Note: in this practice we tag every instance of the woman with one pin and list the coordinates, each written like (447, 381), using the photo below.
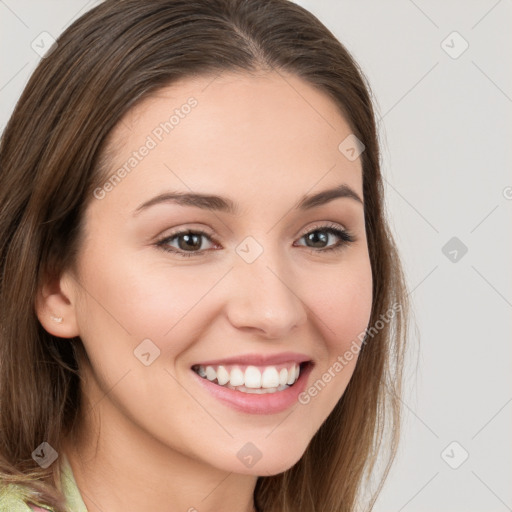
(202, 305)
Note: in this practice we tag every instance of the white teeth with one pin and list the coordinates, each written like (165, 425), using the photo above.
(256, 391)
(260, 391)
(270, 378)
(252, 377)
(211, 374)
(222, 375)
(237, 377)
(253, 380)
(291, 375)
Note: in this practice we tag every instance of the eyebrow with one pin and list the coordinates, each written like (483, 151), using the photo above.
(224, 204)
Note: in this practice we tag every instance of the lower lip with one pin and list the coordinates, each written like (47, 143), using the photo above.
(268, 403)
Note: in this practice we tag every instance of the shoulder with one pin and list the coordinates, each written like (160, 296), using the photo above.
(13, 499)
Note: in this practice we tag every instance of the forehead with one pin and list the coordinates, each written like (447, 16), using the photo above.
(235, 132)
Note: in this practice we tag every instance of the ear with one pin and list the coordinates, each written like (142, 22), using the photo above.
(56, 304)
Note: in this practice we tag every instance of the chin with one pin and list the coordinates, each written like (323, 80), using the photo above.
(271, 463)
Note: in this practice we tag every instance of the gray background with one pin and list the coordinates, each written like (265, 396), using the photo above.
(446, 141)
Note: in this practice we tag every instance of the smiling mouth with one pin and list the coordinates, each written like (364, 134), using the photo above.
(253, 379)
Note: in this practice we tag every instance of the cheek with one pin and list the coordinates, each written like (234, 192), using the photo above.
(123, 307)
(342, 300)
(131, 299)
(170, 305)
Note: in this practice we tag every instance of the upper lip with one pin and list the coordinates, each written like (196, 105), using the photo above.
(259, 359)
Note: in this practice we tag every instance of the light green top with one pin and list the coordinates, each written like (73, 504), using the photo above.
(12, 496)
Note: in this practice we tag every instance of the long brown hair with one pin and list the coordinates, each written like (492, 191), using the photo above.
(52, 156)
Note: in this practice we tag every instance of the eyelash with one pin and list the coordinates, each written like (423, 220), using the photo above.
(345, 236)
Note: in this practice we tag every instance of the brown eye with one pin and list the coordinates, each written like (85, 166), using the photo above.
(319, 241)
(189, 242)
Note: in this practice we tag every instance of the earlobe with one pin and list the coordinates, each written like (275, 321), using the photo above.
(56, 307)
(57, 319)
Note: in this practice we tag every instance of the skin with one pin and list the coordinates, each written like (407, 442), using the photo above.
(165, 443)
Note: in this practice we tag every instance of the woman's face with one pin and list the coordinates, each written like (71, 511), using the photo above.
(258, 293)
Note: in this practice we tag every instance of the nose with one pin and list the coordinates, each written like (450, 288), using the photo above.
(266, 298)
